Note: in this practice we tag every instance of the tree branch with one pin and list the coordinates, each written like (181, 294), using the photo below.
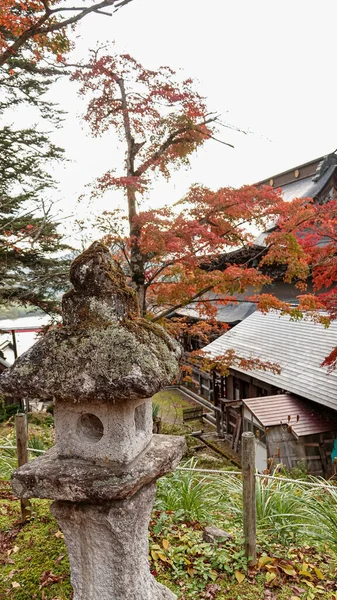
(170, 140)
(39, 29)
(169, 311)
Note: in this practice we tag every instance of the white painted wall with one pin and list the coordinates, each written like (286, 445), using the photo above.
(260, 448)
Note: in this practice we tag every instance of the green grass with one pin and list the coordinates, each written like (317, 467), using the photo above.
(171, 405)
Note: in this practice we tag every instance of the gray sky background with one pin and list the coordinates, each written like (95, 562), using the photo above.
(268, 67)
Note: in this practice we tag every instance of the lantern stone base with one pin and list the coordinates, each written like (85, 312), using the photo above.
(108, 548)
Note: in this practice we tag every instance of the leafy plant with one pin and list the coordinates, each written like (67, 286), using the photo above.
(194, 561)
(36, 443)
(7, 411)
(319, 513)
(8, 460)
(155, 410)
(39, 418)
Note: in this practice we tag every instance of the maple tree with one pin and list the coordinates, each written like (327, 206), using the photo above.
(162, 120)
(40, 26)
(305, 243)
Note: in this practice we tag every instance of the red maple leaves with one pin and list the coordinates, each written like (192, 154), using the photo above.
(161, 119)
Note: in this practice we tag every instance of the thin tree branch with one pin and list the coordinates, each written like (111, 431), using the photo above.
(170, 140)
(170, 311)
(39, 29)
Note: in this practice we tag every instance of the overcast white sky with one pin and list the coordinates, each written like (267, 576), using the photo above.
(268, 67)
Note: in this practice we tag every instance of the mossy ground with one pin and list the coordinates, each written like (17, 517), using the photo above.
(34, 563)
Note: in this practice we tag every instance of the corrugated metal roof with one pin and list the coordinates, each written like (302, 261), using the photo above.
(276, 410)
(299, 347)
(226, 313)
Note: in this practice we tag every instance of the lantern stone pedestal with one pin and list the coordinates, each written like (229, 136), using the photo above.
(104, 516)
(108, 548)
(101, 369)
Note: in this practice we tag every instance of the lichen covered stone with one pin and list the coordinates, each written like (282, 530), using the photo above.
(103, 351)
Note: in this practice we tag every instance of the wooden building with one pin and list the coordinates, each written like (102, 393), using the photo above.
(292, 431)
(306, 389)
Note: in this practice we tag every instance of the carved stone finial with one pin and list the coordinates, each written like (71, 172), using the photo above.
(100, 289)
(104, 350)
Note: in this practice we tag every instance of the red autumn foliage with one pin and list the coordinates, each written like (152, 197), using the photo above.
(178, 243)
(162, 121)
(40, 25)
(306, 242)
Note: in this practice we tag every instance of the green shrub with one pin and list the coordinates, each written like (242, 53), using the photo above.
(7, 411)
(39, 418)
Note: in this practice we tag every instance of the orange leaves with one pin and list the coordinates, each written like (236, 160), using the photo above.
(16, 18)
(229, 359)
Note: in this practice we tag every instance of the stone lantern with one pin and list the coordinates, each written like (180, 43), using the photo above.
(101, 368)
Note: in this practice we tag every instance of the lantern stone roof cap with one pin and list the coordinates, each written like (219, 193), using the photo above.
(104, 350)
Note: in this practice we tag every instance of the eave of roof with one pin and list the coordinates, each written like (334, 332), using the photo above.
(288, 410)
(296, 173)
(226, 313)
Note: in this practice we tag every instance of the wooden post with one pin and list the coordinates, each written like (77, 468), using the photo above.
(22, 450)
(249, 501)
(219, 431)
(15, 348)
(222, 386)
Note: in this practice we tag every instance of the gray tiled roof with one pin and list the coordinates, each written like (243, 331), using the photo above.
(298, 347)
(307, 187)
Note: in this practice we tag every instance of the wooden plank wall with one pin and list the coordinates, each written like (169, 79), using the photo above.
(312, 451)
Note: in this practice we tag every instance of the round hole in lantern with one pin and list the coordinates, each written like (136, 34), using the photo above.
(90, 427)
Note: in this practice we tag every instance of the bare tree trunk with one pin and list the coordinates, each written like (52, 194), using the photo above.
(137, 259)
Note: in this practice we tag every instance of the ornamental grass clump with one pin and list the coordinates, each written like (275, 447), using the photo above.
(278, 506)
(191, 497)
(8, 460)
(218, 498)
(319, 513)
